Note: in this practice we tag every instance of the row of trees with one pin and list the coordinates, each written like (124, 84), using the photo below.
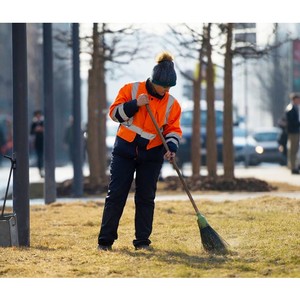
(110, 47)
(201, 44)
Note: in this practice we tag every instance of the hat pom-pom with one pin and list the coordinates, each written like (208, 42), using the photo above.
(163, 56)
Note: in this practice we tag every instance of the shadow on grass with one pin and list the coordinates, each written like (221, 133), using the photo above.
(44, 248)
(203, 260)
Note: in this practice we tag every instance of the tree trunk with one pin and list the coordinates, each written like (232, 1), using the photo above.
(93, 114)
(211, 145)
(196, 134)
(102, 116)
(228, 150)
(92, 130)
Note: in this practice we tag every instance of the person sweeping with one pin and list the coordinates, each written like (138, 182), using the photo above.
(139, 152)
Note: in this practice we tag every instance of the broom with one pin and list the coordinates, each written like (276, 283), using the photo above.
(211, 240)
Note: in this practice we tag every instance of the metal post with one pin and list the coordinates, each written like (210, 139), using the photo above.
(20, 132)
(77, 131)
(49, 133)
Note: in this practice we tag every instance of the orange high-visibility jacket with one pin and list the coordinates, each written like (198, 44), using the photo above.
(167, 112)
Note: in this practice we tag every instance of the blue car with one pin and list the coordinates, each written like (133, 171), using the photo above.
(184, 152)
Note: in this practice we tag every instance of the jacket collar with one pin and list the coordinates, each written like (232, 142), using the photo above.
(151, 91)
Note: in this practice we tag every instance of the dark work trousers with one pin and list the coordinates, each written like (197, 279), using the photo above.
(40, 159)
(293, 147)
(39, 150)
(122, 173)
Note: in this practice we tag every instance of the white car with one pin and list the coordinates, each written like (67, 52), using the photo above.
(261, 145)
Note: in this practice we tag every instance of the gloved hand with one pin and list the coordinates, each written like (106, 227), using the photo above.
(170, 156)
(142, 100)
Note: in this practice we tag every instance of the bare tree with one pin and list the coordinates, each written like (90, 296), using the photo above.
(211, 144)
(196, 133)
(191, 45)
(228, 150)
(191, 41)
(107, 47)
(96, 115)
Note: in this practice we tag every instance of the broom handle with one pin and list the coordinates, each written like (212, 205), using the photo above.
(173, 162)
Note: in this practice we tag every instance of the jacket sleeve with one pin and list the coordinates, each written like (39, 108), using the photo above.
(172, 131)
(123, 108)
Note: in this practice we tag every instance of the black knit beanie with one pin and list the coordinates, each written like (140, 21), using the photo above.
(163, 73)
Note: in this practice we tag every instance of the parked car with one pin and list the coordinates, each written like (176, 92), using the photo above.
(184, 152)
(261, 145)
(241, 140)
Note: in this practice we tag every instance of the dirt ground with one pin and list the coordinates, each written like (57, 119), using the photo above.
(202, 183)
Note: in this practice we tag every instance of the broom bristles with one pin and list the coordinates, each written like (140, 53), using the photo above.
(212, 242)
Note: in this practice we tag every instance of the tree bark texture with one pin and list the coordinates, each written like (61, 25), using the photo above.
(196, 134)
(228, 150)
(211, 144)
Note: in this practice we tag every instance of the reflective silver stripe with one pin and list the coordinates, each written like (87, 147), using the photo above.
(113, 115)
(173, 134)
(134, 90)
(128, 122)
(173, 141)
(171, 101)
(138, 130)
(120, 110)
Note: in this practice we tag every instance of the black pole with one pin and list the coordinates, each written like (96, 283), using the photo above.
(77, 131)
(20, 132)
(49, 133)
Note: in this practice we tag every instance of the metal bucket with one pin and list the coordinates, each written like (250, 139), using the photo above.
(8, 222)
(8, 230)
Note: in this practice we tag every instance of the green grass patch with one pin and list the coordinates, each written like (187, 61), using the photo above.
(263, 233)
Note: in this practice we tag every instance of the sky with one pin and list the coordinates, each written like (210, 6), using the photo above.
(152, 11)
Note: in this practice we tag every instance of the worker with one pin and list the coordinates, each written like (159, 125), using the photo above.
(293, 130)
(139, 152)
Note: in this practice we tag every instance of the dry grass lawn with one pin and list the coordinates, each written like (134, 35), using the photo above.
(263, 233)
